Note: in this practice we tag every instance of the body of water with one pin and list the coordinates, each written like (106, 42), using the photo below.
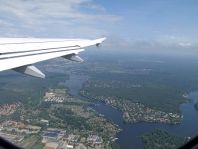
(130, 136)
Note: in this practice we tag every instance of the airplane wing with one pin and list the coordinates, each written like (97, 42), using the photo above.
(20, 53)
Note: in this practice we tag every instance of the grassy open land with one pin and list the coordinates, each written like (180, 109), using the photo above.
(159, 139)
(32, 142)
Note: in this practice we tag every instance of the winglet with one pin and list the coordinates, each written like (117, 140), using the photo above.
(99, 41)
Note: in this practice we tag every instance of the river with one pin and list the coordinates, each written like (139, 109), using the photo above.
(130, 136)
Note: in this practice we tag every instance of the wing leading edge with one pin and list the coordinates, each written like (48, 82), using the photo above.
(19, 53)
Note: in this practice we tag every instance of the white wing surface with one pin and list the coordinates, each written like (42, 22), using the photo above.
(20, 53)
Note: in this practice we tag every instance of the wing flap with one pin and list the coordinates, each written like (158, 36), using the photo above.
(30, 70)
(73, 57)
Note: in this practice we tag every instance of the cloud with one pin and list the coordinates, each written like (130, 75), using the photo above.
(54, 18)
(185, 44)
(180, 40)
(120, 45)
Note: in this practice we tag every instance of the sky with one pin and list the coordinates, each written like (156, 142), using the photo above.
(129, 23)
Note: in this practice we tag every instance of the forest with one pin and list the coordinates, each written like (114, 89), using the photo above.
(160, 139)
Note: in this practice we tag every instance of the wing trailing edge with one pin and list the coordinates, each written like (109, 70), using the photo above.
(20, 54)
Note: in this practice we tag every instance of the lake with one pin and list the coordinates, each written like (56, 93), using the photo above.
(130, 136)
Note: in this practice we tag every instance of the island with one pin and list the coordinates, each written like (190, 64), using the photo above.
(133, 111)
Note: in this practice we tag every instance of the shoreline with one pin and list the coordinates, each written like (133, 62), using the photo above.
(130, 132)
